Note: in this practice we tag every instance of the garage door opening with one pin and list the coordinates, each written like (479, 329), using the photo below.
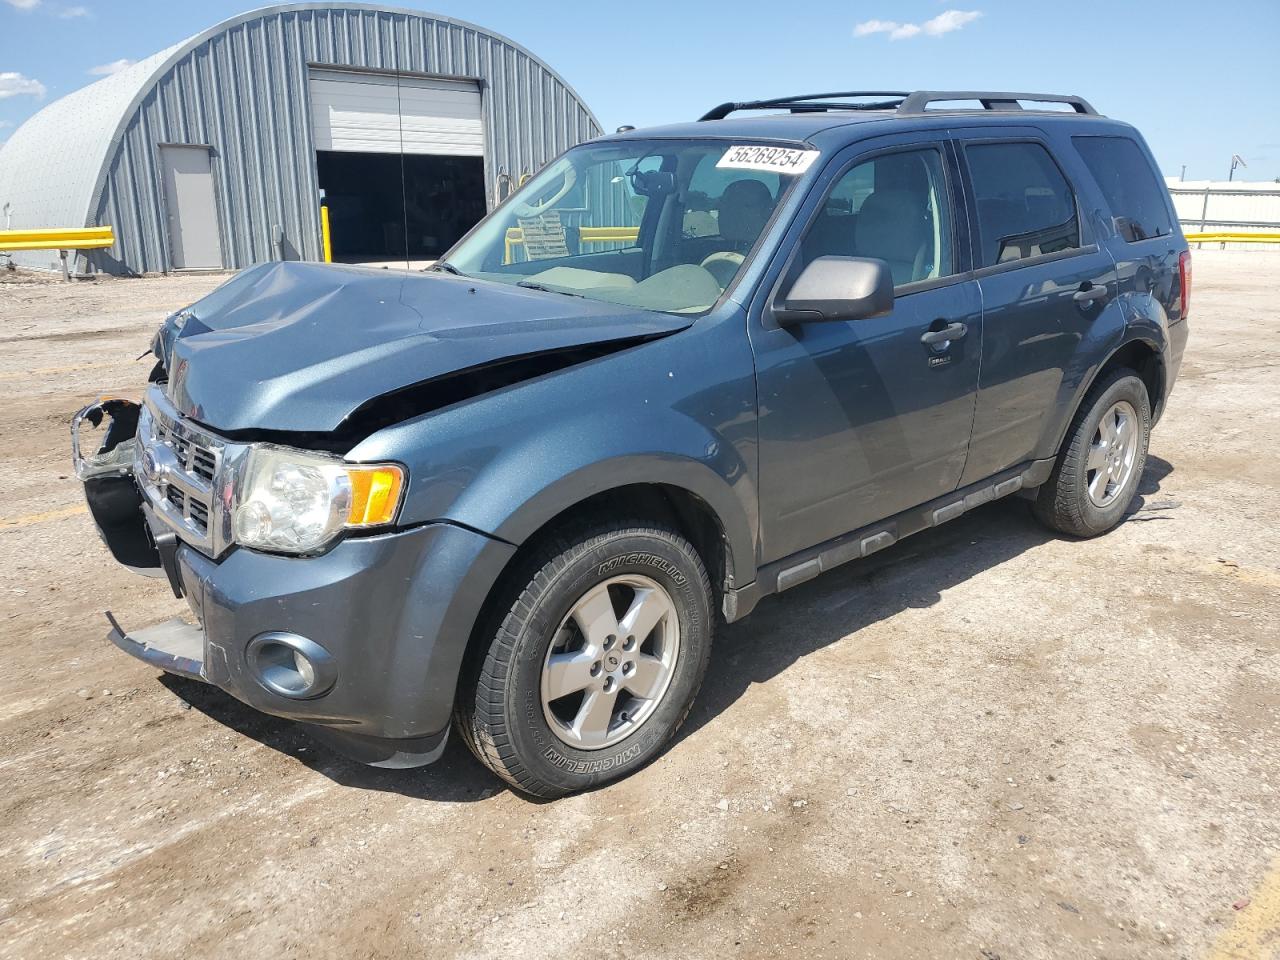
(387, 207)
(400, 160)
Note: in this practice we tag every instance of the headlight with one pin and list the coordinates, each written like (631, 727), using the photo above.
(296, 502)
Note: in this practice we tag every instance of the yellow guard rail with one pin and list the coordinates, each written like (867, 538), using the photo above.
(60, 239)
(1231, 236)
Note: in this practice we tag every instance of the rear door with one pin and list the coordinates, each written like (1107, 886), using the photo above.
(860, 420)
(1044, 284)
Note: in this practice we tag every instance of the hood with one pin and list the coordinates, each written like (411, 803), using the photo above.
(300, 346)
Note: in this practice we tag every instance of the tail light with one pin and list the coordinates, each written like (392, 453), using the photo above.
(1184, 279)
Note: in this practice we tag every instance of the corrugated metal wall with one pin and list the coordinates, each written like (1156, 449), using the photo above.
(243, 91)
(1220, 205)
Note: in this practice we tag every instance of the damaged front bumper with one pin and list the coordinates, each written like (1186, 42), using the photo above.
(363, 643)
(107, 474)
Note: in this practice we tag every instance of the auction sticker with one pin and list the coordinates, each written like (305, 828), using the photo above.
(772, 159)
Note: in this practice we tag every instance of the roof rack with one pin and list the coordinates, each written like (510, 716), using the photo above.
(902, 102)
(919, 101)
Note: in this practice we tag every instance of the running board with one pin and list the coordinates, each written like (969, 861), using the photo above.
(804, 566)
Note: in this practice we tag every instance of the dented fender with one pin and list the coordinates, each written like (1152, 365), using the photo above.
(677, 411)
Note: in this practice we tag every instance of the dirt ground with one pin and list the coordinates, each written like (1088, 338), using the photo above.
(987, 742)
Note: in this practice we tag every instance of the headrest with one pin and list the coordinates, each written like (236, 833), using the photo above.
(891, 225)
(744, 208)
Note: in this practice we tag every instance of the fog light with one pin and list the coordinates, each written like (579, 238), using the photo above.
(290, 665)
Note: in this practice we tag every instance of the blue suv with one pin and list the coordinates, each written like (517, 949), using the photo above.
(680, 370)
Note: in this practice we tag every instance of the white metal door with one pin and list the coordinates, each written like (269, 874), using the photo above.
(191, 207)
(385, 113)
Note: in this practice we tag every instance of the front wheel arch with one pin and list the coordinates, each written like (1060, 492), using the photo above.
(710, 510)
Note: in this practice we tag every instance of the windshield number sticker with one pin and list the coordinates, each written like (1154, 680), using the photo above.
(772, 159)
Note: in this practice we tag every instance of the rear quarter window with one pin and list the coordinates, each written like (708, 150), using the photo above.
(1139, 208)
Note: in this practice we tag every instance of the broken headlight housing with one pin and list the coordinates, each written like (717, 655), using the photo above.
(296, 501)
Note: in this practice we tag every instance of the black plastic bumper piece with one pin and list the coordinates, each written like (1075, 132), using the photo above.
(174, 646)
(379, 751)
(116, 506)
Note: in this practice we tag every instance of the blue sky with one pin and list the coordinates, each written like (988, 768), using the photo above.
(1199, 79)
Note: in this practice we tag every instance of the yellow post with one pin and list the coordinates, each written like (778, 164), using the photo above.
(325, 241)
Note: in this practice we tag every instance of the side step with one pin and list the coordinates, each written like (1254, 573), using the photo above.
(804, 566)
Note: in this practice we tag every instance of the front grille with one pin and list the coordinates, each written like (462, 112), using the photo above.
(178, 468)
(199, 513)
(189, 506)
(203, 463)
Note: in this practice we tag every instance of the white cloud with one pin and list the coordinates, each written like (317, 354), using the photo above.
(24, 4)
(73, 13)
(950, 20)
(945, 22)
(868, 27)
(16, 85)
(107, 69)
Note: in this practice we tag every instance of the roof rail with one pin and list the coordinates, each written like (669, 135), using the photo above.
(919, 101)
(903, 102)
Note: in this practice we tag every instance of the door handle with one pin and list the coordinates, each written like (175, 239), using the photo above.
(952, 331)
(1089, 292)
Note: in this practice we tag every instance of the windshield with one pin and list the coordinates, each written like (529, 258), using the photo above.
(657, 224)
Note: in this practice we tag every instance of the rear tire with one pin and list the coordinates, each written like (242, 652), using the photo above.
(604, 637)
(1101, 462)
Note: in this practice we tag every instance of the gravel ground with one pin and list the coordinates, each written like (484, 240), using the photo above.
(985, 742)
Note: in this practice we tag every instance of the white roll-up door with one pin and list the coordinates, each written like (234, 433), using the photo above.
(383, 113)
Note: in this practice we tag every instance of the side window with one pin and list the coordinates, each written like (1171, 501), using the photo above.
(894, 208)
(1025, 205)
(1139, 209)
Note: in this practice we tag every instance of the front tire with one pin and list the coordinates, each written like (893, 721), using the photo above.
(604, 639)
(1100, 466)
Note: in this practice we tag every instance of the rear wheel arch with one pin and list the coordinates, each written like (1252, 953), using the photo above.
(1143, 358)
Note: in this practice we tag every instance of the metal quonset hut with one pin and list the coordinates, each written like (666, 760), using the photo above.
(214, 153)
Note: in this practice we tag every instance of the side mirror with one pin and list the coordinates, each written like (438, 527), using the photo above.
(837, 288)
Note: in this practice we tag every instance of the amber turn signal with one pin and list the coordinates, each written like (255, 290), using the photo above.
(375, 494)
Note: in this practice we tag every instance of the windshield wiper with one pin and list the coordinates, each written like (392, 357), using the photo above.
(444, 266)
(531, 285)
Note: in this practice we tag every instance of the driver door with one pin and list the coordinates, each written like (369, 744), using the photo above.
(860, 420)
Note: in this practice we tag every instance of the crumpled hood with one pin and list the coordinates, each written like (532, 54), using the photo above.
(299, 346)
